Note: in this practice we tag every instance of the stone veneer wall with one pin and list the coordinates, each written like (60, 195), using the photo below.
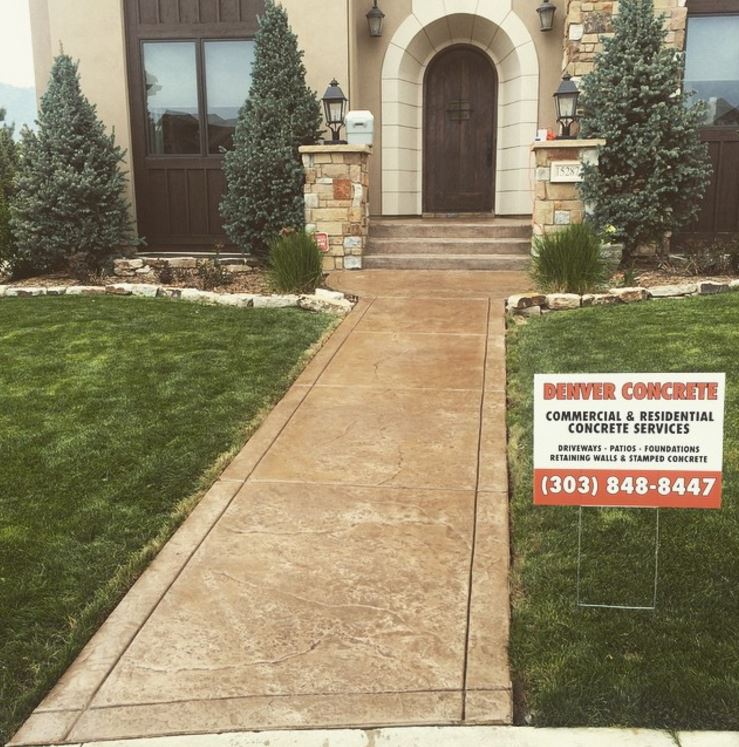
(588, 21)
(558, 204)
(337, 201)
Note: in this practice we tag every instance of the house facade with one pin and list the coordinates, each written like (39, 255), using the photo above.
(458, 88)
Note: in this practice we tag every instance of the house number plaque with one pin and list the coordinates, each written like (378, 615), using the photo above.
(566, 171)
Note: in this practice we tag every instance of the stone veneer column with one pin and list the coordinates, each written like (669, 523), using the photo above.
(587, 22)
(337, 200)
(558, 204)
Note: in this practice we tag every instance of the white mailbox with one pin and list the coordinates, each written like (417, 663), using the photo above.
(360, 128)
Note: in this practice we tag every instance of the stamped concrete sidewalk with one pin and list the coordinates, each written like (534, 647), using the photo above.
(350, 567)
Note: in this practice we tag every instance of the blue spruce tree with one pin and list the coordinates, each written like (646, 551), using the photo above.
(69, 195)
(264, 173)
(653, 170)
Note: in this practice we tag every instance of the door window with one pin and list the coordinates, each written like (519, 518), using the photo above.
(194, 91)
(173, 116)
(227, 88)
(712, 67)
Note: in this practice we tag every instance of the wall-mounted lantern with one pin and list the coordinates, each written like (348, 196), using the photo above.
(565, 102)
(375, 18)
(546, 13)
(334, 107)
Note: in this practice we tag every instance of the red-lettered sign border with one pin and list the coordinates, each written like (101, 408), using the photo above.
(322, 240)
(647, 484)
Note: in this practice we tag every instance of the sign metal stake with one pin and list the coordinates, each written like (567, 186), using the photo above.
(580, 603)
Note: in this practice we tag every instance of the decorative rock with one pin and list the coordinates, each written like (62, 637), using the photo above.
(238, 269)
(559, 301)
(168, 292)
(241, 300)
(156, 263)
(352, 263)
(144, 289)
(630, 295)
(56, 290)
(316, 303)
(192, 294)
(86, 290)
(734, 285)
(3, 290)
(275, 302)
(127, 265)
(599, 299)
(530, 311)
(524, 300)
(672, 291)
(182, 263)
(711, 287)
(119, 289)
(25, 291)
(145, 270)
(328, 295)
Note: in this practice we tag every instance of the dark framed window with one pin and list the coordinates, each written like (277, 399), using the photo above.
(712, 62)
(193, 92)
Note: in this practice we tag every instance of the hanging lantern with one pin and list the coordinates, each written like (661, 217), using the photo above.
(375, 19)
(546, 13)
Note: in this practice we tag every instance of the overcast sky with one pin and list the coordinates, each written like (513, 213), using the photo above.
(16, 56)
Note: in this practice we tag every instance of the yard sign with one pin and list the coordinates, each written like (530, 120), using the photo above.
(641, 440)
(321, 239)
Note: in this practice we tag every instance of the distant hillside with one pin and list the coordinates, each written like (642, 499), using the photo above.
(20, 104)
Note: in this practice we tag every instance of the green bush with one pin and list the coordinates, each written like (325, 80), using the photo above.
(569, 261)
(8, 166)
(653, 170)
(264, 170)
(69, 192)
(296, 264)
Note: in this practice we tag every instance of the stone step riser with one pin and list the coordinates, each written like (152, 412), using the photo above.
(388, 247)
(382, 230)
(442, 262)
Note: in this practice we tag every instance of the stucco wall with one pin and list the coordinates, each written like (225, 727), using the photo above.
(367, 57)
(93, 33)
(322, 30)
(335, 40)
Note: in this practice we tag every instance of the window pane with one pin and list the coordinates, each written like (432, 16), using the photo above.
(712, 66)
(172, 97)
(227, 80)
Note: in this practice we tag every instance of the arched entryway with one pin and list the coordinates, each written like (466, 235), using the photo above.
(495, 29)
(460, 92)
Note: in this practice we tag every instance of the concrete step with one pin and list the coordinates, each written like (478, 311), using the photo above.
(435, 228)
(464, 246)
(445, 262)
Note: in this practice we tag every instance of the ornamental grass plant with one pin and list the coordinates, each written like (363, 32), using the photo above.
(296, 264)
(569, 261)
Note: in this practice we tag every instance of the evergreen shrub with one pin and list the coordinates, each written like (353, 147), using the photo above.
(8, 165)
(69, 197)
(653, 170)
(296, 263)
(264, 171)
(569, 261)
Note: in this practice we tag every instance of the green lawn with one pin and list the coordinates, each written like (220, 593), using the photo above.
(677, 667)
(115, 414)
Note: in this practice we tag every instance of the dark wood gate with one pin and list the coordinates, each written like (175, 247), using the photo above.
(712, 72)
(459, 132)
(189, 68)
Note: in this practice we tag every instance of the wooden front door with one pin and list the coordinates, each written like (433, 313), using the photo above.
(189, 71)
(712, 73)
(459, 132)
